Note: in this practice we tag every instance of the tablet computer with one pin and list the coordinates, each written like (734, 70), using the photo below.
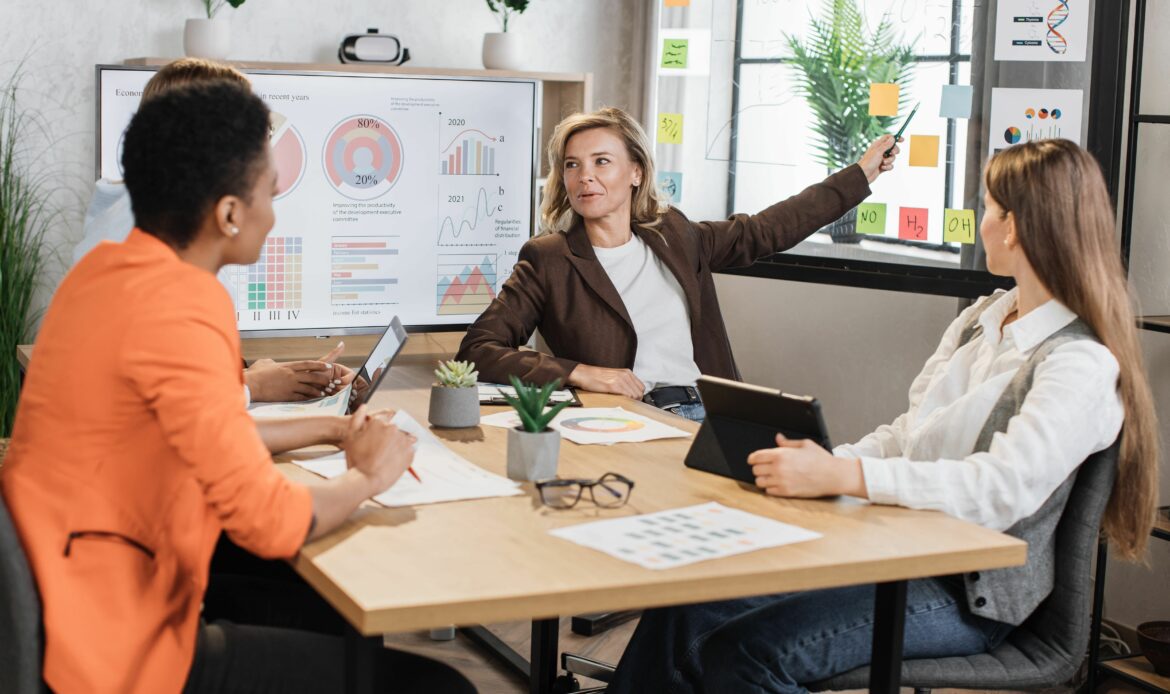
(742, 418)
(377, 365)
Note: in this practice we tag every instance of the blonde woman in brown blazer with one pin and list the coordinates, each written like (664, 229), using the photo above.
(620, 284)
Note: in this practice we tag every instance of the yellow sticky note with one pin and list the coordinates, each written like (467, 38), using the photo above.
(959, 226)
(883, 99)
(678, 3)
(670, 126)
(924, 150)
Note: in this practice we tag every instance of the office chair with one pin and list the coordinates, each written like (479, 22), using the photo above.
(21, 632)
(1049, 647)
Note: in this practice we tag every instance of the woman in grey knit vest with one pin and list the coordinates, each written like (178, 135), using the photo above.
(1024, 386)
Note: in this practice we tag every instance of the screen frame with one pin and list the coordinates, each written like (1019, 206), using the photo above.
(537, 106)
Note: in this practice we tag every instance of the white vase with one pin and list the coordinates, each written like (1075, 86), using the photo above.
(533, 457)
(207, 38)
(502, 51)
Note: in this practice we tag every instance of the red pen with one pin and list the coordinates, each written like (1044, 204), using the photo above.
(414, 474)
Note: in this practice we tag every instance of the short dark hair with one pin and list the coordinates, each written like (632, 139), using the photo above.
(188, 147)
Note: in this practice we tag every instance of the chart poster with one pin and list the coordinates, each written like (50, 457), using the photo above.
(1024, 115)
(1043, 30)
(395, 196)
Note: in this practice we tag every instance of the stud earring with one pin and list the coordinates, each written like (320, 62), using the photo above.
(236, 231)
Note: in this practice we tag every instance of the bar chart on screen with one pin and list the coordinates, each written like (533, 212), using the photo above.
(466, 283)
(471, 152)
(364, 270)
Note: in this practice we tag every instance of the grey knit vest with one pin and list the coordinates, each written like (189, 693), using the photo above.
(1011, 595)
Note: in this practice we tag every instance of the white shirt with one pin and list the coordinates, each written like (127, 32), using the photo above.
(109, 217)
(657, 306)
(924, 458)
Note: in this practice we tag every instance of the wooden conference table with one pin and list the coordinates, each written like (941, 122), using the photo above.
(492, 560)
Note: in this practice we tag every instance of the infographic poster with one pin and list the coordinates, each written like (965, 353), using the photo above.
(395, 196)
(1024, 115)
(1042, 30)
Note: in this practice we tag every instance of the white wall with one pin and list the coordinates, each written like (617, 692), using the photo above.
(61, 42)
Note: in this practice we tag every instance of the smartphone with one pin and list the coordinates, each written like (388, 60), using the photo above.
(902, 129)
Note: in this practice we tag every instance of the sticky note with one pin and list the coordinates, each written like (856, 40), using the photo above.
(924, 150)
(959, 226)
(678, 3)
(670, 126)
(913, 223)
(670, 183)
(674, 54)
(956, 101)
(883, 99)
(871, 218)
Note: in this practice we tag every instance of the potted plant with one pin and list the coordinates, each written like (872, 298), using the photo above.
(533, 447)
(209, 37)
(501, 50)
(836, 64)
(24, 219)
(455, 398)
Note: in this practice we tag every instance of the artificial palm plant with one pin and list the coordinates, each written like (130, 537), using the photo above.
(836, 64)
(24, 220)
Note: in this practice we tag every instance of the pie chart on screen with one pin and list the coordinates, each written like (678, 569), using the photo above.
(362, 157)
(288, 152)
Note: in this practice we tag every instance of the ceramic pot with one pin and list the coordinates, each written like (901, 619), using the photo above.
(454, 408)
(533, 457)
(207, 38)
(502, 51)
(1154, 639)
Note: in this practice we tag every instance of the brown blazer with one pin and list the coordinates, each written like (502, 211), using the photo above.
(559, 287)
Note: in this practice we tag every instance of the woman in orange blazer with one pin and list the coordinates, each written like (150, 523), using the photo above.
(120, 491)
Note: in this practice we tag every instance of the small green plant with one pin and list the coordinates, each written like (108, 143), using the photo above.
(214, 6)
(530, 403)
(506, 8)
(456, 374)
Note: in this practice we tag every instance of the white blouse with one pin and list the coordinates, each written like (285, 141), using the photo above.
(924, 459)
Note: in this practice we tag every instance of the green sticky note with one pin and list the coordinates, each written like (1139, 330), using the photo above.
(871, 218)
(959, 226)
(670, 126)
(674, 54)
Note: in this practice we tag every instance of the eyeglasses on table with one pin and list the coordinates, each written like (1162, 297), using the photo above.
(611, 490)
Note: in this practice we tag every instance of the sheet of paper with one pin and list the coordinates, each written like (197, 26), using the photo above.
(1048, 30)
(678, 3)
(924, 150)
(683, 536)
(1024, 115)
(674, 54)
(330, 405)
(956, 101)
(493, 394)
(959, 226)
(444, 475)
(670, 128)
(883, 99)
(913, 223)
(683, 52)
(597, 425)
(670, 183)
(871, 218)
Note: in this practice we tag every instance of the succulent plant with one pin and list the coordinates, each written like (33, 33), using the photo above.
(530, 403)
(456, 374)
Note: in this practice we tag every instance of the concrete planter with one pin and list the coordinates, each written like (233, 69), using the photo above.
(454, 408)
(533, 457)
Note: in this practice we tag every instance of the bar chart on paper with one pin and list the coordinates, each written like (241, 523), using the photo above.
(466, 283)
(472, 152)
(363, 270)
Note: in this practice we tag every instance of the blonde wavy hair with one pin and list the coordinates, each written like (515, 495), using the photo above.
(648, 205)
(1065, 224)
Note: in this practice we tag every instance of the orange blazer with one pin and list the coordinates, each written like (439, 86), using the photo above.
(132, 450)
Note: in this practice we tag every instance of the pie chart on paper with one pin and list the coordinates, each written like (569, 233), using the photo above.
(602, 425)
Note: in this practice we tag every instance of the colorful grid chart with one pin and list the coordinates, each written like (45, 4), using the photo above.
(363, 270)
(466, 283)
(274, 281)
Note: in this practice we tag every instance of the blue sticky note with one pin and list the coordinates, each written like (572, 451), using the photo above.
(670, 183)
(956, 101)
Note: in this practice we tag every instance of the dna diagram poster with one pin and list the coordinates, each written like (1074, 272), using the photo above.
(1042, 30)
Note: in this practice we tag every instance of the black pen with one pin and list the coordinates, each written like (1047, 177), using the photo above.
(902, 130)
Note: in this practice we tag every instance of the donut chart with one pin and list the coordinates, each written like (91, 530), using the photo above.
(602, 425)
(362, 157)
(288, 153)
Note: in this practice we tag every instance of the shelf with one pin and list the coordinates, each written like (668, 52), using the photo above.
(1152, 119)
(1159, 324)
(1137, 670)
(1162, 524)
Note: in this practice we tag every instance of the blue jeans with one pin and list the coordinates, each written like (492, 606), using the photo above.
(693, 411)
(778, 643)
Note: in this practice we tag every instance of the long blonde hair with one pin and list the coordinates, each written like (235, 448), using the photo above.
(1065, 225)
(648, 205)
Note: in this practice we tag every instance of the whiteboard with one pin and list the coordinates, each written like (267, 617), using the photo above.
(397, 195)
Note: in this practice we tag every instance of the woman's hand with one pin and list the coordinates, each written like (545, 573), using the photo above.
(377, 449)
(269, 381)
(801, 468)
(875, 161)
(600, 379)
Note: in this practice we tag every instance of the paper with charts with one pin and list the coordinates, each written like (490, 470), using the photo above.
(335, 405)
(601, 425)
(445, 476)
(684, 536)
